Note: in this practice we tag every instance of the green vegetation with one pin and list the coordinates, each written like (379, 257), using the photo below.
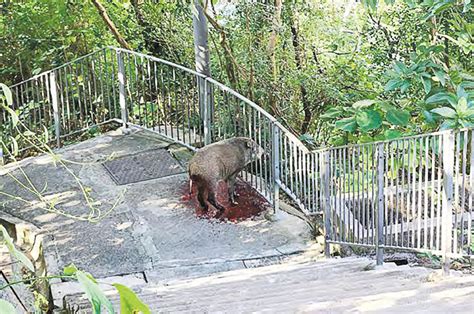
(333, 71)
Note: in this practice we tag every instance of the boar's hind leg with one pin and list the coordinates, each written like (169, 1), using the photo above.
(231, 186)
(201, 197)
(212, 199)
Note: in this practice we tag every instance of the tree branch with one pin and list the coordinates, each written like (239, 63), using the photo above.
(110, 24)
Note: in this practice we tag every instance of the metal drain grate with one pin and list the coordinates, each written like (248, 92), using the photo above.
(144, 166)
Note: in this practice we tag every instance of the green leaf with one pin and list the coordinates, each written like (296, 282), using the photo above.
(332, 113)
(445, 112)
(363, 103)
(440, 75)
(398, 117)
(346, 124)
(461, 92)
(448, 124)
(129, 301)
(368, 120)
(13, 251)
(393, 84)
(426, 84)
(392, 134)
(399, 67)
(428, 117)
(8, 94)
(442, 97)
(93, 293)
(6, 307)
(12, 113)
(462, 105)
(70, 270)
(405, 85)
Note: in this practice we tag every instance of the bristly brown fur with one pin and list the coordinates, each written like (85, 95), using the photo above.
(220, 161)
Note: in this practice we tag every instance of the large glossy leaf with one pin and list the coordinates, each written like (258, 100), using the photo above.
(398, 117)
(13, 251)
(130, 303)
(347, 124)
(440, 75)
(368, 120)
(445, 112)
(93, 293)
(7, 308)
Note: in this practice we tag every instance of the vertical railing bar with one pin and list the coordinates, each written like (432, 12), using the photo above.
(420, 187)
(463, 193)
(448, 163)
(355, 225)
(408, 194)
(114, 80)
(151, 94)
(67, 115)
(413, 203)
(365, 194)
(359, 209)
(276, 166)
(385, 196)
(325, 168)
(373, 198)
(393, 200)
(343, 214)
(380, 207)
(425, 203)
(260, 162)
(177, 102)
(105, 75)
(471, 191)
(122, 90)
(433, 193)
(456, 189)
(93, 85)
(55, 105)
(164, 100)
(62, 110)
(439, 206)
(398, 202)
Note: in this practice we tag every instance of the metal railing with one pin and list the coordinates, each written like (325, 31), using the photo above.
(409, 193)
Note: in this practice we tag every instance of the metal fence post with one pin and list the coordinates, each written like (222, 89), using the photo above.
(122, 89)
(381, 204)
(276, 167)
(324, 166)
(447, 209)
(54, 103)
(206, 111)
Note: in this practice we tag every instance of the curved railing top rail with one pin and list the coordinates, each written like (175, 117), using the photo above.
(183, 68)
(58, 67)
(224, 88)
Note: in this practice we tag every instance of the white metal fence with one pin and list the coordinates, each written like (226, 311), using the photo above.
(409, 193)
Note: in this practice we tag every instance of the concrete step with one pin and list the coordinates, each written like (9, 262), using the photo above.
(329, 285)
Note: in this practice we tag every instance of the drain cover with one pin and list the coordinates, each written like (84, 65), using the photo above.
(144, 166)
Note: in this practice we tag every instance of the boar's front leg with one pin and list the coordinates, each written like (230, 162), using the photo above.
(231, 187)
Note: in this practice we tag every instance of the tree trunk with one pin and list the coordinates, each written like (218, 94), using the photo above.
(110, 24)
(299, 65)
(201, 36)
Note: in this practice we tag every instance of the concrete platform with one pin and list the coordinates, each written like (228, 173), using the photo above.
(151, 234)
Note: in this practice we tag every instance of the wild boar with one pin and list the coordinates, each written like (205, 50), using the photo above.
(221, 161)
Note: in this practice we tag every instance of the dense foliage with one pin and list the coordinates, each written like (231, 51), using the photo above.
(332, 71)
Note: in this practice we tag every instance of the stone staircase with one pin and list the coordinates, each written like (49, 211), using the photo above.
(334, 285)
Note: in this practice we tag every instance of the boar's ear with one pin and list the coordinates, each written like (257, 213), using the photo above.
(249, 144)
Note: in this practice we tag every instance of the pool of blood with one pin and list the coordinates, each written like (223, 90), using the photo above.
(250, 202)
